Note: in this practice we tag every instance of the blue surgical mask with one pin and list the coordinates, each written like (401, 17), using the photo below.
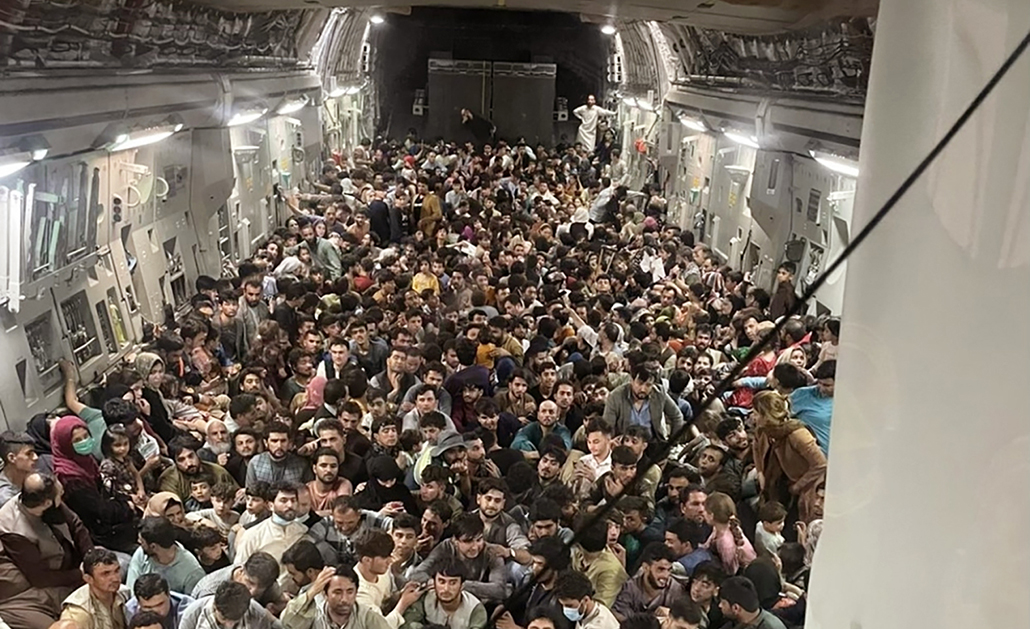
(85, 446)
(281, 521)
(572, 613)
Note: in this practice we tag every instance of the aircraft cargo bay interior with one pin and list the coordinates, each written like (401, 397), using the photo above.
(513, 314)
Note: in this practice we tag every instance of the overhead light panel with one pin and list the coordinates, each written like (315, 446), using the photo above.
(836, 163)
(740, 138)
(35, 145)
(609, 29)
(291, 105)
(119, 137)
(693, 123)
(12, 163)
(630, 101)
(645, 105)
(247, 116)
(377, 19)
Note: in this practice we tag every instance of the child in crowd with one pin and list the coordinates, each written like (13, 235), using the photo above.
(209, 547)
(258, 501)
(220, 516)
(200, 494)
(769, 531)
(727, 541)
(117, 470)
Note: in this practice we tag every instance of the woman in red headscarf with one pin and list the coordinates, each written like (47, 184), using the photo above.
(111, 519)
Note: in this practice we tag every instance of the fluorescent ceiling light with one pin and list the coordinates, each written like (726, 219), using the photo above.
(377, 19)
(632, 102)
(143, 137)
(609, 29)
(744, 140)
(247, 116)
(691, 123)
(645, 105)
(839, 165)
(13, 163)
(291, 106)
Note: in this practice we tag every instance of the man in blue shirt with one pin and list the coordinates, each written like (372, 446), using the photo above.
(153, 595)
(814, 405)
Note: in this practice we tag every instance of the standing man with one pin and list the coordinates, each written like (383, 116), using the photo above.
(480, 128)
(589, 114)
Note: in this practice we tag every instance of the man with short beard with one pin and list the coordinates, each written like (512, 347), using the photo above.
(531, 436)
(327, 484)
(331, 601)
(548, 469)
(653, 590)
(503, 534)
(275, 534)
(176, 479)
(278, 463)
(487, 575)
(447, 603)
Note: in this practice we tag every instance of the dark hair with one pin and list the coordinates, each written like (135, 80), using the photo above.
(435, 474)
(203, 537)
(303, 556)
(451, 568)
(157, 530)
(555, 453)
(688, 531)
(599, 425)
(685, 609)
(557, 556)
(573, 585)
(486, 485)
(469, 525)
(623, 455)
(433, 419)
(47, 490)
(726, 426)
(640, 621)
(547, 612)
(145, 619)
(710, 571)
(284, 487)
(263, 568)
(223, 491)
(373, 543)
(826, 371)
(232, 600)
(406, 521)
(657, 551)
(98, 557)
(544, 509)
(788, 266)
(119, 411)
(241, 404)
(442, 509)
(179, 444)
(12, 443)
(792, 557)
(151, 584)
(346, 571)
(594, 538)
(260, 489)
(771, 511)
(202, 477)
(789, 376)
(280, 428)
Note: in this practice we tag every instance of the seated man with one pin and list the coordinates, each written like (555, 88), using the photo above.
(277, 533)
(331, 601)
(230, 606)
(153, 595)
(503, 534)
(486, 572)
(100, 604)
(334, 536)
(576, 595)
(176, 479)
(637, 530)
(686, 539)
(36, 573)
(258, 574)
(446, 602)
(592, 557)
(529, 437)
(652, 590)
(278, 462)
(159, 553)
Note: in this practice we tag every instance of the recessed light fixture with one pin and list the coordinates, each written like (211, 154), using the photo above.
(246, 116)
(291, 105)
(119, 137)
(692, 123)
(377, 19)
(12, 163)
(744, 140)
(609, 29)
(630, 101)
(836, 163)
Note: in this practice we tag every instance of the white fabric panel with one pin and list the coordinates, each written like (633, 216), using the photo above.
(929, 481)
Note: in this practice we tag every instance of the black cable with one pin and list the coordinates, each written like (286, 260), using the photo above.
(799, 305)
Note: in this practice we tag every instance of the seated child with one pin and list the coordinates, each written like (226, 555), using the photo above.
(769, 531)
(220, 516)
(200, 494)
(209, 547)
(259, 500)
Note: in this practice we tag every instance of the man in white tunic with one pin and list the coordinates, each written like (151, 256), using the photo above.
(589, 114)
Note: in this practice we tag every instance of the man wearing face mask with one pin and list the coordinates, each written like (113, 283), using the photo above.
(575, 593)
(45, 542)
(278, 532)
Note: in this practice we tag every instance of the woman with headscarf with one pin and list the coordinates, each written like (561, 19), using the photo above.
(38, 430)
(790, 464)
(385, 485)
(110, 519)
(165, 504)
(152, 368)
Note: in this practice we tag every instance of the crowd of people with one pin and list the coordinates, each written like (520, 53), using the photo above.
(459, 387)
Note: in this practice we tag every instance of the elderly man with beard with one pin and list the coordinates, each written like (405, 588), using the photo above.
(176, 479)
(653, 590)
(275, 534)
(216, 446)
